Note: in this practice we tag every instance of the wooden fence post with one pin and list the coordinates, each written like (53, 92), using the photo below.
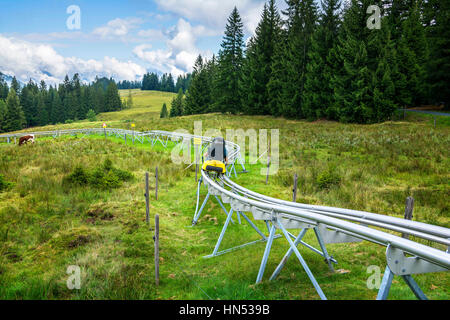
(157, 250)
(147, 200)
(125, 138)
(156, 184)
(268, 169)
(409, 207)
(295, 188)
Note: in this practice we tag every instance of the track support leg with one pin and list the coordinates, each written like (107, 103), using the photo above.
(266, 254)
(302, 262)
(288, 255)
(385, 286)
(328, 259)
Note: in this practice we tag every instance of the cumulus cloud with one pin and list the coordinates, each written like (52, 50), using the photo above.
(118, 27)
(151, 34)
(28, 60)
(181, 50)
(214, 13)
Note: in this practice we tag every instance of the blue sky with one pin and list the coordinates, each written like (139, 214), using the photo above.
(121, 39)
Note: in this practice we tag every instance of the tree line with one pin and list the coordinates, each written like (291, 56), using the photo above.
(314, 63)
(126, 84)
(39, 105)
(151, 81)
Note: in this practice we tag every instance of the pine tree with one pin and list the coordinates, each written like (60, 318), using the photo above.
(259, 60)
(112, 98)
(363, 85)
(57, 115)
(3, 88)
(438, 36)
(3, 110)
(210, 70)
(15, 85)
(229, 76)
(302, 23)
(91, 116)
(42, 118)
(412, 50)
(198, 98)
(164, 113)
(277, 77)
(15, 118)
(129, 102)
(317, 96)
(177, 107)
(28, 103)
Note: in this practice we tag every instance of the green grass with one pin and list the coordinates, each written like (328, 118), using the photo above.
(45, 227)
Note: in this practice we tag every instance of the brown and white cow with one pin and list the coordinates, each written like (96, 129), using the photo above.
(25, 139)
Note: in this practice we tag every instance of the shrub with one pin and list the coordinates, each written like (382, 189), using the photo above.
(4, 184)
(78, 177)
(328, 178)
(104, 176)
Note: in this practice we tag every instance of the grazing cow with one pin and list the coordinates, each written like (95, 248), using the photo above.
(25, 139)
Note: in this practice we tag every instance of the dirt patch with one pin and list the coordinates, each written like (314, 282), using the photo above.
(79, 241)
(98, 213)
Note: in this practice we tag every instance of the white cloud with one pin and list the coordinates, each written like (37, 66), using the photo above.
(151, 34)
(118, 27)
(181, 50)
(214, 13)
(28, 60)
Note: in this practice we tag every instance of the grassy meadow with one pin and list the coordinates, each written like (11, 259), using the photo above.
(47, 225)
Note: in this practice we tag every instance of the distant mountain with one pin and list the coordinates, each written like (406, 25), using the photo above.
(9, 78)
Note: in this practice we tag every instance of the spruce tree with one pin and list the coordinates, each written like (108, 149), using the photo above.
(15, 118)
(57, 115)
(412, 51)
(302, 17)
(42, 118)
(112, 98)
(318, 93)
(363, 85)
(177, 107)
(437, 14)
(130, 100)
(259, 59)
(3, 110)
(198, 98)
(277, 77)
(229, 73)
(164, 113)
(15, 85)
(3, 88)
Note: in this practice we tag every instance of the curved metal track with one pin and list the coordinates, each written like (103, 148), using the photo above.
(285, 215)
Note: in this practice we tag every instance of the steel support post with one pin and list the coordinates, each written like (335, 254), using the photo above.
(222, 233)
(385, 286)
(288, 255)
(414, 287)
(327, 257)
(197, 215)
(266, 254)
(303, 263)
(386, 283)
(223, 207)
